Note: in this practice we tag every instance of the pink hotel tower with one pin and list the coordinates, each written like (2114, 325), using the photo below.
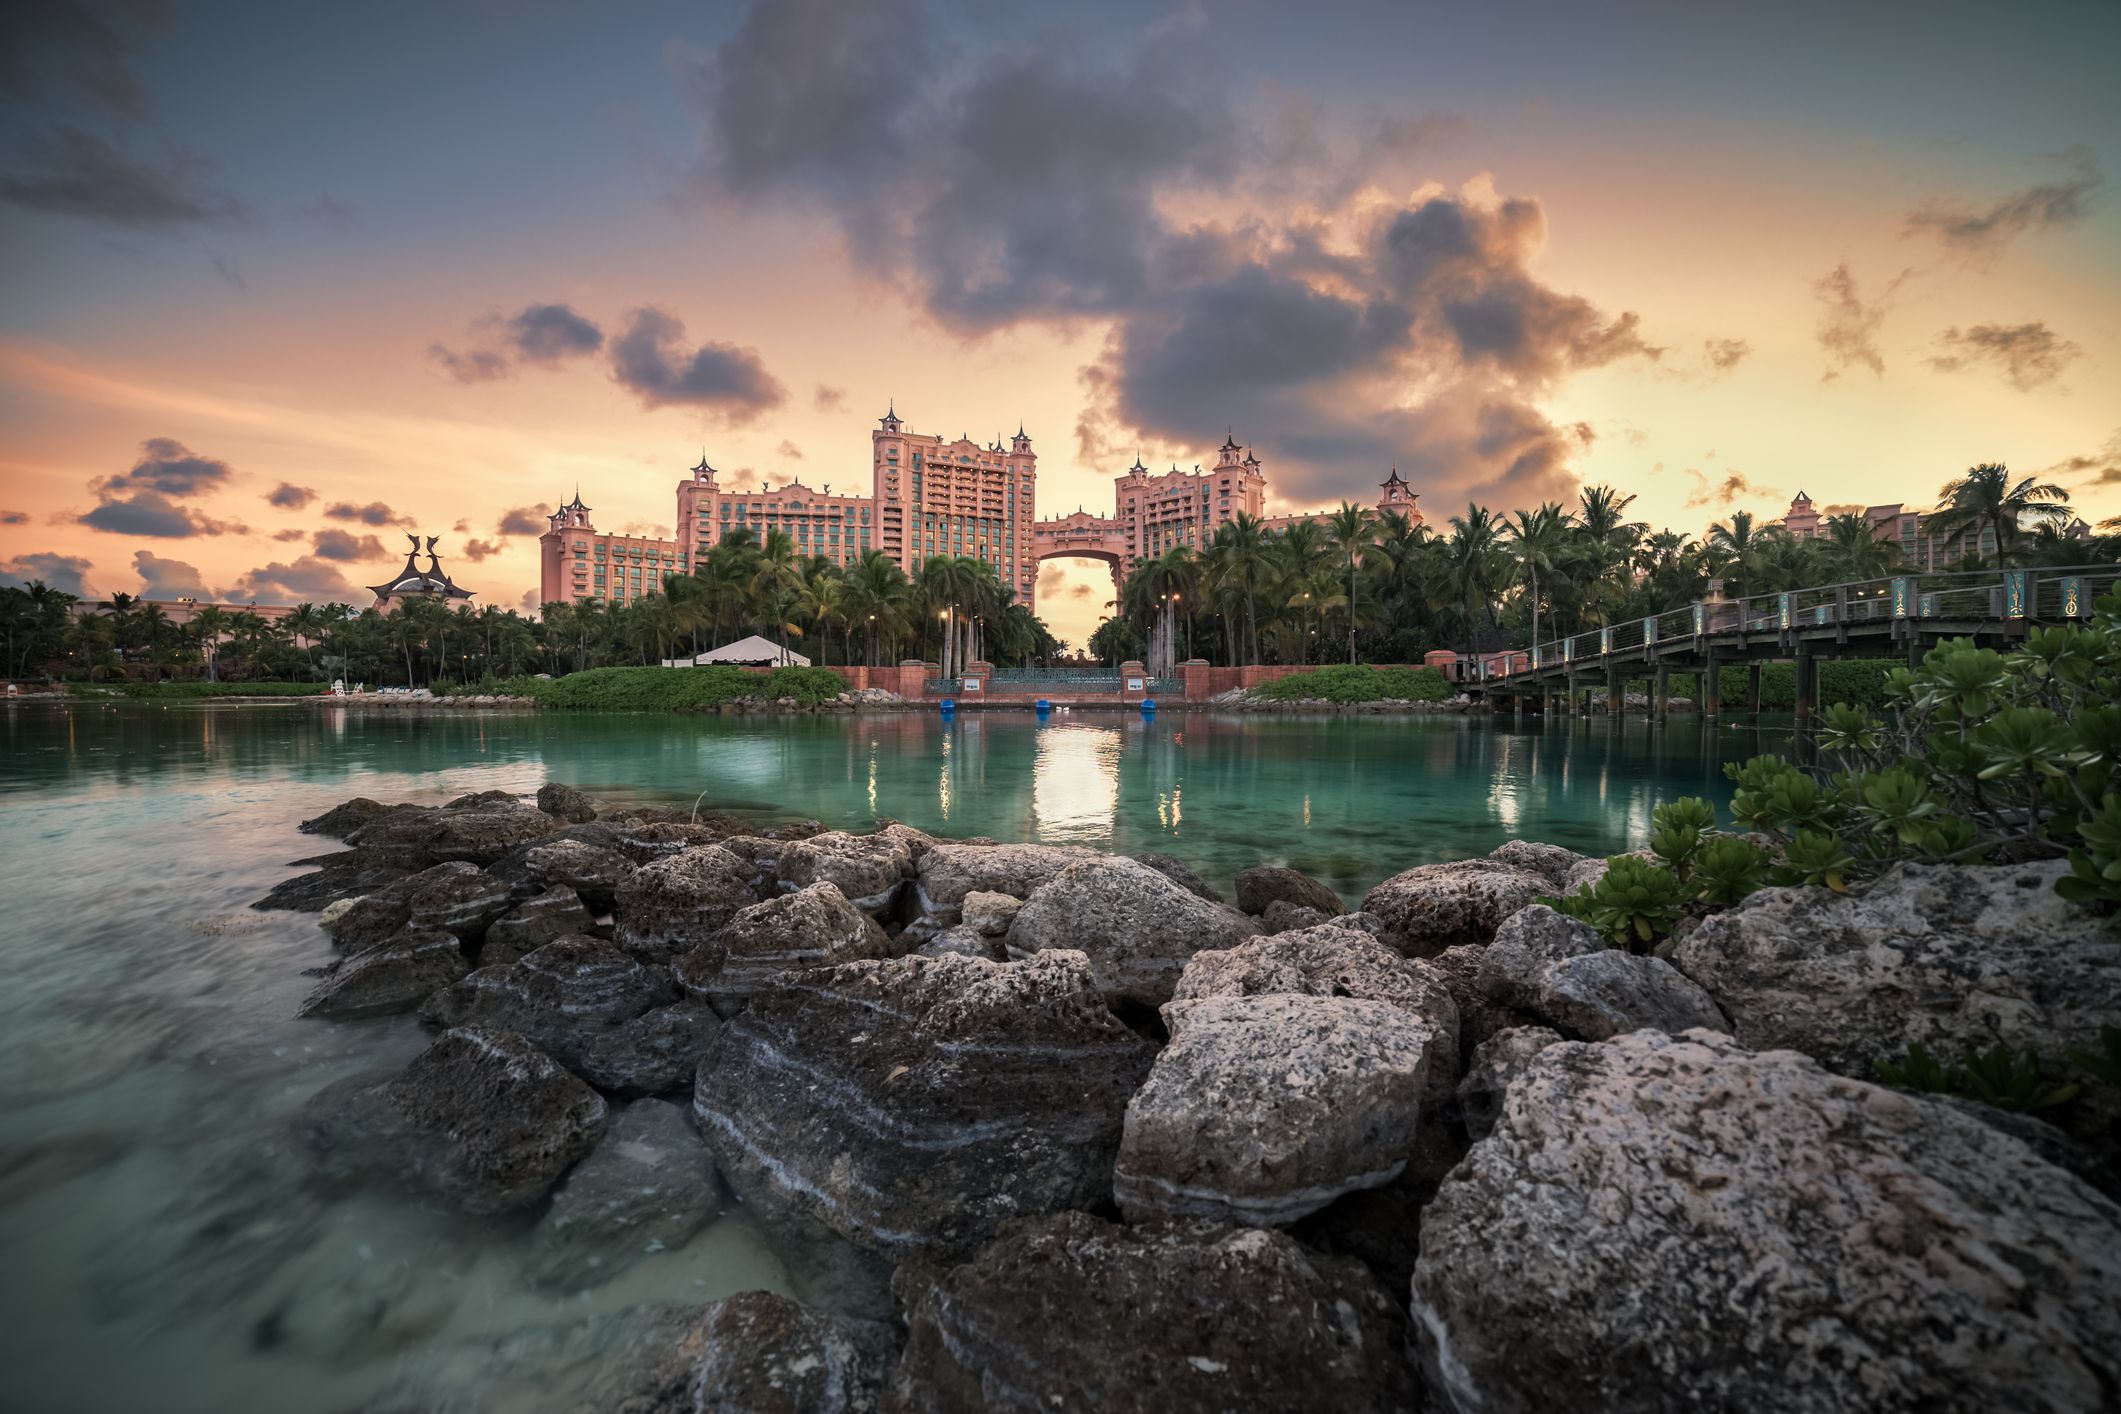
(926, 497)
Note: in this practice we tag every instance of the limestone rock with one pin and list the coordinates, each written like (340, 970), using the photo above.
(536, 921)
(594, 871)
(645, 841)
(949, 872)
(648, 1188)
(811, 927)
(446, 890)
(1265, 1108)
(395, 976)
(1179, 873)
(1662, 1223)
(868, 869)
(673, 904)
(915, 1103)
(343, 819)
(989, 914)
(1549, 861)
(1263, 884)
(961, 941)
(474, 835)
(1495, 1063)
(1606, 993)
(1529, 941)
(1583, 876)
(1281, 916)
(1478, 1018)
(565, 803)
(1135, 925)
(456, 899)
(486, 800)
(758, 1353)
(1435, 906)
(1070, 1312)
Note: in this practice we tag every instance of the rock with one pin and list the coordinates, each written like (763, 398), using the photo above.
(949, 872)
(1071, 1312)
(343, 819)
(645, 841)
(320, 889)
(913, 1104)
(989, 914)
(1135, 925)
(673, 904)
(868, 869)
(961, 941)
(1607, 993)
(486, 800)
(648, 1188)
(2044, 1139)
(1435, 906)
(1478, 1018)
(1265, 1108)
(1178, 873)
(473, 835)
(536, 921)
(1263, 884)
(455, 892)
(762, 860)
(593, 871)
(333, 912)
(592, 1007)
(392, 977)
(1663, 1223)
(1281, 916)
(1954, 958)
(1529, 942)
(811, 927)
(758, 1353)
(565, 803)
(456, 899)
(1495, 1063)
(481, 1118)
(1550, 861)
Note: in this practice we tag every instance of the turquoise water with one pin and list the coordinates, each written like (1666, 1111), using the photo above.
(163, 1249)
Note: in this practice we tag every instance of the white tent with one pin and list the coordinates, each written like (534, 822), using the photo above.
(750, 651)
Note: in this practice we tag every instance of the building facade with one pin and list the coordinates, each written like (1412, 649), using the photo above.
(415, 585)
(577, 561)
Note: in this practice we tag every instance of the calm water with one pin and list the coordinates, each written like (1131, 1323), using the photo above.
(162, 1250)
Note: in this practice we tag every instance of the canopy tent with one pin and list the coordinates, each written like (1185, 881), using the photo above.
(751, 652)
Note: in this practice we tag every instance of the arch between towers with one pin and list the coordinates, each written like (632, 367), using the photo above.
(1084, 538)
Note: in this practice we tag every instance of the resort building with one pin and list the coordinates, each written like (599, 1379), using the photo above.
(577, 561)
(413, 584)
(1926, 550)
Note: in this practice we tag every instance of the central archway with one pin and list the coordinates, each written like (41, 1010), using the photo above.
(1082, 536)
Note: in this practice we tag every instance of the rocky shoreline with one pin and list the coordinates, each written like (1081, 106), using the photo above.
(1040, 1127)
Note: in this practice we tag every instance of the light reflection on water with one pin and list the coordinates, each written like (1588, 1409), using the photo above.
(163, 1250)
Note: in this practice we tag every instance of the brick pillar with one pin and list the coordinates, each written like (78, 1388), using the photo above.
(1133, 681)
(1199, 681)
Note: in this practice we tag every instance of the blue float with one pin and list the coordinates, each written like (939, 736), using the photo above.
(949, 706)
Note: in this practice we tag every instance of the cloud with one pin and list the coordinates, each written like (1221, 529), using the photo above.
(289, 497)
(2027, 354)
(789, 450)
(14, 517)
(225, 266)
(168, 466)
(1979, 233)
(523, 520)
(308, 580)
(289, 535)
(1053, 583)
(649, 359)
(529, 604)
(1723, 355)
(65, 573)
(374, 513)
(153, 514)
(1727, 491)
(345, 545)
(471, 366)
(1849, 324)
(142, 500)
(477, 550)
(65, 171)
(647, 529)
(828, 399)
(2100, 468)
(327, 210)
(55, 49)
(169, 579)
(546, 335)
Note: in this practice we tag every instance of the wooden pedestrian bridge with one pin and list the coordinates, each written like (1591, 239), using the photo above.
(1901, 616)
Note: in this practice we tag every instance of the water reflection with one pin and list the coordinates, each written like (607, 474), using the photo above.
(1075, 784)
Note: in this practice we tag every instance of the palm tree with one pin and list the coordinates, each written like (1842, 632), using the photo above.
(1239, 553)
(1737, 538)
(207, 626)
(775, 581)
(1986, 499)
(1353, 531)
(1476, 553)
(1853, 551)
(1536, 540)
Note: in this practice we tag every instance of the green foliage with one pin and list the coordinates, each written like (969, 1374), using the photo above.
(1815, 857)
(1357, 683)
(173, 691)
(1727, 869)
(1999, 1077)
(2104, 1064)
(1636, 903)
(1860, 681)
(661, 689)
(1921, 1072)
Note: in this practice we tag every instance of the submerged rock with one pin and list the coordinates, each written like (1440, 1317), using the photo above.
(673, 904)
(392, 977)
(1264, 884)
(647, 1189)
(758, 1353)
(868, 869)
(950, 872)
(1663, 1223)
(1435, 906)
(1136, 927)
(536, 921)
(1071, 1312)
(566, 803)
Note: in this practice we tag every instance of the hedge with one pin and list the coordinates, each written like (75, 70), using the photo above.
(658, 689)
(1860, 682)
(1357, 683)
(171, 690)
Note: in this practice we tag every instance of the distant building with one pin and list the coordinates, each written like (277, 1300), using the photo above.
(178, 611)
(413, 584)
(577, 561)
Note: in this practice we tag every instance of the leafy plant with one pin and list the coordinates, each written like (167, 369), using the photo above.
(2011, 1080)
(2104, 1064)
(1815, 857)
(1727, 869)
(1353, 682)
(1636, 902)
(1920, 1071)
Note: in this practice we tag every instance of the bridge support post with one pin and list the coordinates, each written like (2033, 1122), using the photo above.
(1711, 688)
(1752, 692)
(1661, 696)
(1807, 687)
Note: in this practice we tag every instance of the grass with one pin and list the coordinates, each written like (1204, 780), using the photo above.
(174, 691)
(658, 689)
(1356, 683)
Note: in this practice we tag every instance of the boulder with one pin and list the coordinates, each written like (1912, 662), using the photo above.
(1177, 871)
(1435, 906)
(343, 819)
(1135, 925)
(481, 1118)
(673, 904)
(594, 871)
(1952, 957)
(868, 869)
(759, 1353)
(648, 1188)
(1071, 1312)
(1661, 1223)
(1583, 876)
(1265, 1108)
(356, 877)
(456, 899)
(593, 1007)
(486, 800)
(536, 921)
(1478, 1018)
(454, 891)
(913, 1104)
(1550, 861)
(1607, 993)
(1495, 1063)
(475, 835)
(565, 803)
(949, 872)
(1529, 942)
(392, 977)
(961, 941)
(1264, 884)
(645, 841)
(989, 914)
(811, 927)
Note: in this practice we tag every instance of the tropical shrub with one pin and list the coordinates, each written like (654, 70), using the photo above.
(1695, 869)
(660, 689)
(172, 691)
(1999, 1077)
(1356, 682)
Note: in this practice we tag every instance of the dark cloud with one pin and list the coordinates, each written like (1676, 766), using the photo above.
(327, 210)
(1727, 491)
(290, 535)
(169, 579)
(1053, 583)
(308, 580)
(461, 526)
(789, 450)
(142, 499)
(1723, 355)
(65, 171)
(1978, 233)
(168, 466)
(374, 513)
(2028, 355)
(649, 358)
(477, 550)
(828, 399)
(290, 497)
(225, 266)
(2100, 468)
(523, 520)
(153, 514)
(66, 573)
(543, 334)
(345, 545)
(1849, 323)
(14, 517)
(53, 50)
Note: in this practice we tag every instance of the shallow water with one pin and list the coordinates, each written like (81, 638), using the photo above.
(162, 1248)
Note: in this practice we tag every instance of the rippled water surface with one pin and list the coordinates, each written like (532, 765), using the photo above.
(161, 1247)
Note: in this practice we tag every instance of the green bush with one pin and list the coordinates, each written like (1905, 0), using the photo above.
(1861, 682)
(1639, 900)
(169, 691)
(659, 689)
(1998, 1077)
(1357, 683)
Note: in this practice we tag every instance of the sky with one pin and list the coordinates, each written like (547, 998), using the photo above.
(282, 284)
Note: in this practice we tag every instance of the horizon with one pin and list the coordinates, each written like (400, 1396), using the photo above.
(287, 286)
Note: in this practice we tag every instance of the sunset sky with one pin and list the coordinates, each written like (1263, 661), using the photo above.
(280, 283)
